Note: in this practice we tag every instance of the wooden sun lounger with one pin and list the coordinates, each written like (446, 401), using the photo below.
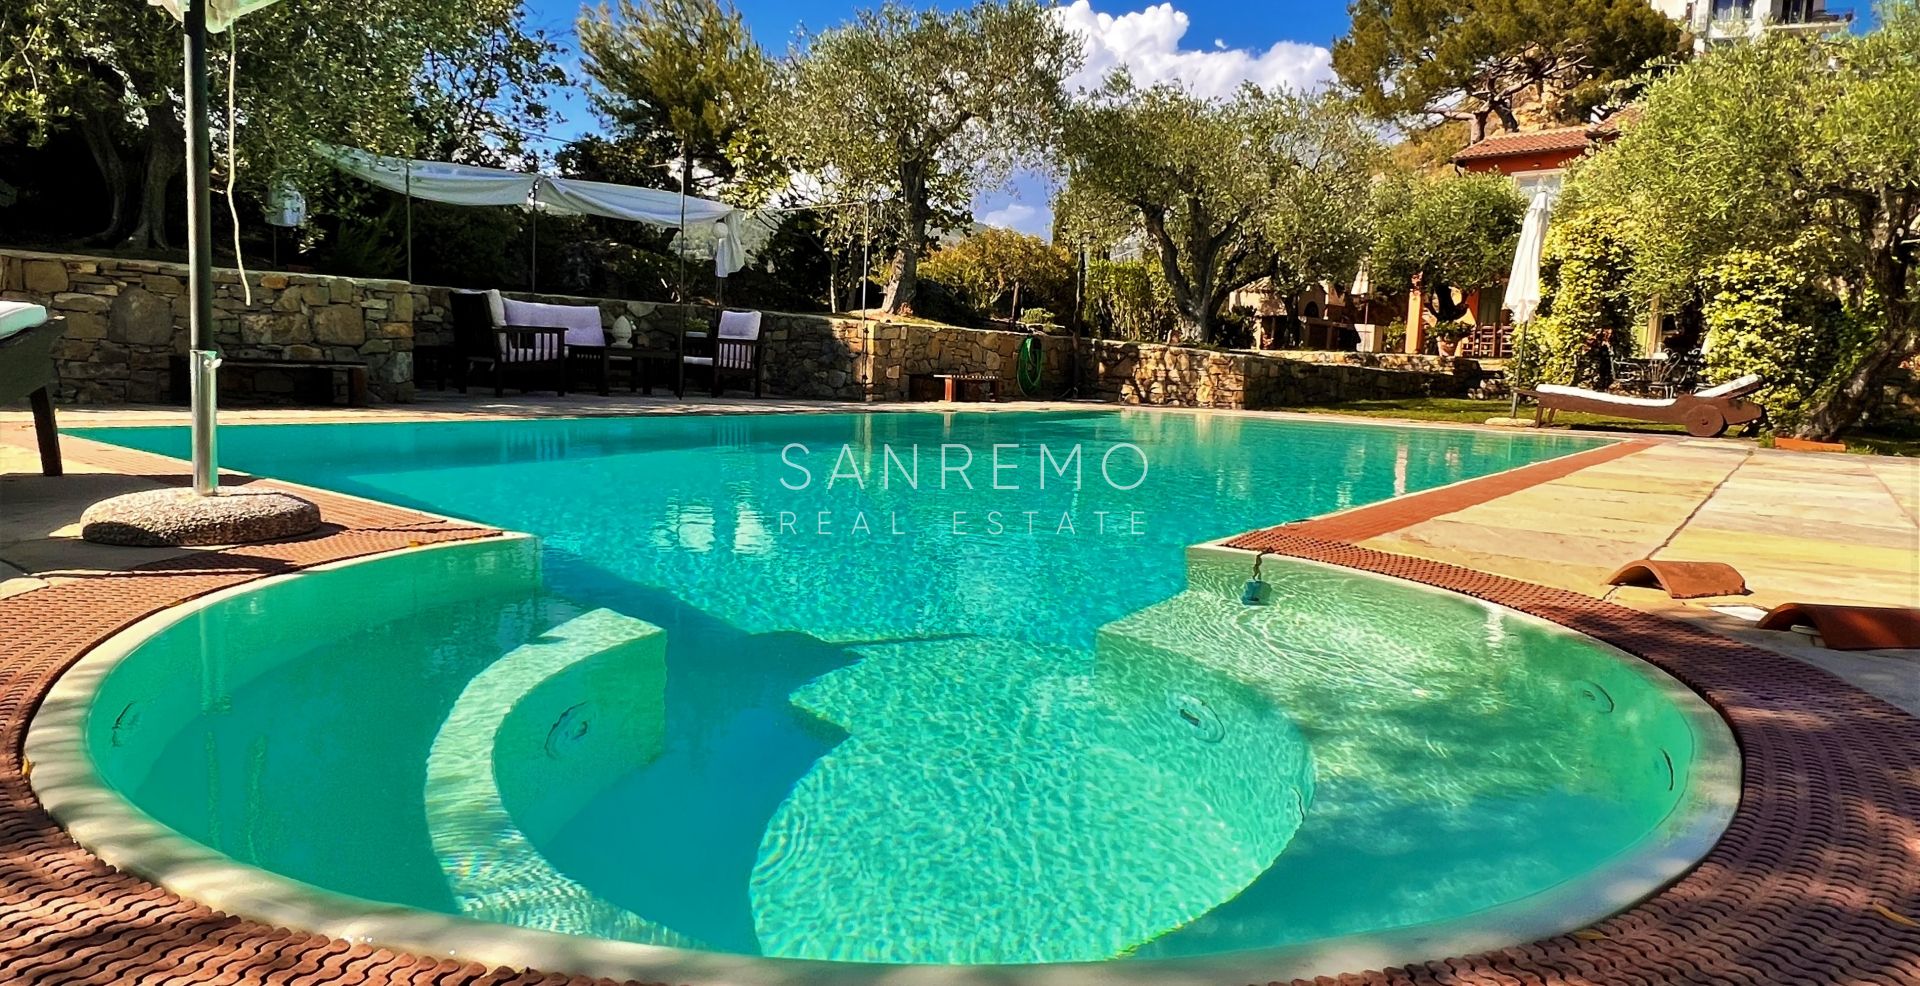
(27, 370)
(1706, 413)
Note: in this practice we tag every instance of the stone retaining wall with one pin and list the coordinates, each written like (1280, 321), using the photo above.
(1146, 373)
(126, 319)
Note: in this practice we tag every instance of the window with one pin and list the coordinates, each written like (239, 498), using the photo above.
(1732, 10)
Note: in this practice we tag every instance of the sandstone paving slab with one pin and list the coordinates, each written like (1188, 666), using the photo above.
(1559, 549)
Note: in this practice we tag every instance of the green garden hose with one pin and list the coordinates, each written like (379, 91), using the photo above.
(1030, 366)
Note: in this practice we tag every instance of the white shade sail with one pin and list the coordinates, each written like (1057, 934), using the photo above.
(465, 184)
(1523, 281)
(457, 184)
(220, 13)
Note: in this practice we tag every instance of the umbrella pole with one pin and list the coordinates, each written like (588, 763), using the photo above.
(205, 359)
(1513, 386)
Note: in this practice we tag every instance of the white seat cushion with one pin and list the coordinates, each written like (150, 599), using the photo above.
(698, 360)
(19, 316)
(1730, 387)
(1595, 395)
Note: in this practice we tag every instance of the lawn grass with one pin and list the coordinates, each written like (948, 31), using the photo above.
(1461, 410)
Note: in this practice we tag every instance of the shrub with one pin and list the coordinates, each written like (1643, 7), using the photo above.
(1588, 310)
(1129, 299)
(1765, 313)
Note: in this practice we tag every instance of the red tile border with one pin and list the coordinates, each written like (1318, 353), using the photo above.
(1817, 880)
(1373, 520)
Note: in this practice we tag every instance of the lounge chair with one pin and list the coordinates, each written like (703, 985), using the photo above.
(1706, 413)
(27, 336)
(735, 352)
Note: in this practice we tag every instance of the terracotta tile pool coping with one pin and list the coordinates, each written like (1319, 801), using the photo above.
(1817, 880)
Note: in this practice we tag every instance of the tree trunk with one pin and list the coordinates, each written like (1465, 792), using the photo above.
(905, 277)
(1849, 401)
(113, 172)
(166, 155)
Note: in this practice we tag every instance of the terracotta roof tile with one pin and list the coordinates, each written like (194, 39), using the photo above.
(1529, 142)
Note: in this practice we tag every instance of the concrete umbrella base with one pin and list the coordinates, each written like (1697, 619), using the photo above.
(181, 518)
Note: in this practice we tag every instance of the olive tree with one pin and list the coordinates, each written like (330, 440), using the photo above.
(462, 78)
(919, 109)
(1445, 235)
(1785, 141)
(1222, 193)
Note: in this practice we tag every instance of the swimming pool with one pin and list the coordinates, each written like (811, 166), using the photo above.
(760, 695)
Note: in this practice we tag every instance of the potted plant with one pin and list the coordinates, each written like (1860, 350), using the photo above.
(1447, 336)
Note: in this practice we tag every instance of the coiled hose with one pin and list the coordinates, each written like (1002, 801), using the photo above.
(1030, 366)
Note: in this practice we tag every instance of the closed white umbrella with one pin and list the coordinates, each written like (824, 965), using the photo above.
(200, 17)
(1362, 282)
(1523, 281)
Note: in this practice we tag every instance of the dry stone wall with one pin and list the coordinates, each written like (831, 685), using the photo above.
(127, 320)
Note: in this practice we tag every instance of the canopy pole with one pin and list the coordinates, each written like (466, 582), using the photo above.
(533, 256)
(686, 173)
(866, 246)
(409, 220)
(205, 359)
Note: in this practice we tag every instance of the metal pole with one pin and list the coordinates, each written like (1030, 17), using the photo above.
(686, 173)
(409, 166)
(866, 244)
(205, 359)
(533, 256)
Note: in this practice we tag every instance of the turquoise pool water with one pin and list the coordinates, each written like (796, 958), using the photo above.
(838, 722)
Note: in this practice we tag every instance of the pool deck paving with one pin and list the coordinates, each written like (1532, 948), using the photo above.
(1816, 881)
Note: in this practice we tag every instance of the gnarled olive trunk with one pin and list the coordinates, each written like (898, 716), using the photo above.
(98, 134)
(1850, 400)
(166, 156)
(905, 275)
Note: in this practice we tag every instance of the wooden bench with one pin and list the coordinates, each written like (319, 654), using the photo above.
(355, 374)
(988, 383)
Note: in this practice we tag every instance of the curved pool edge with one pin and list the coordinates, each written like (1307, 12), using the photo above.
(110, 827)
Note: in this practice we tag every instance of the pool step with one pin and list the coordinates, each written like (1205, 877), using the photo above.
(1000, 801)
(580, 703)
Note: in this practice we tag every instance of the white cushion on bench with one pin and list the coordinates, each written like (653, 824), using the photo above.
(582, 322)
(19, 316)
(1595, 395)
(1730, 387)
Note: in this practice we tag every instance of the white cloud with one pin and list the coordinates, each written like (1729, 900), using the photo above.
(1019, 216)
(1147, 43)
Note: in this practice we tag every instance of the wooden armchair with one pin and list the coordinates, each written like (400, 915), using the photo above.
(523, 354)
(735, 351)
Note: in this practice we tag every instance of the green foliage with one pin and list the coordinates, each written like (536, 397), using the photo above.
(1453, 331)
(682, 78)
(1036, 316)
(1222, 192)
(1766, 314)
(989, 268)
(1450, 233)
(1129, 300)
(1470, 60)
(461, 78)
(915, 110)
(1777, 144)
(1586, 268)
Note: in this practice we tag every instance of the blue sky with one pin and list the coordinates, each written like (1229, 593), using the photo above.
(1211, 45)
